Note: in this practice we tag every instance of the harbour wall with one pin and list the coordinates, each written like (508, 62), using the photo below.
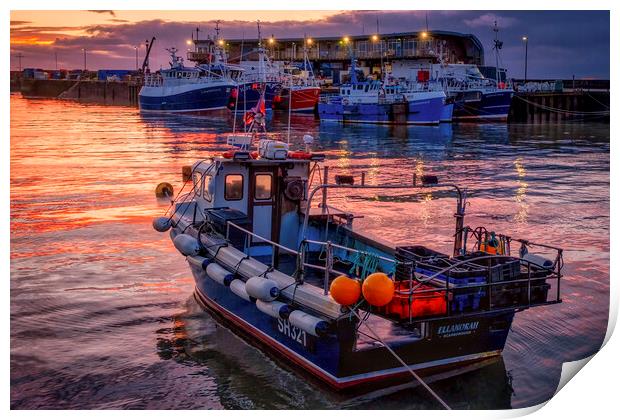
(555, 107)
(90, 91)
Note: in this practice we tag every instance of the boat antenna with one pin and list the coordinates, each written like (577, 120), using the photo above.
(353, 71)
(217, 29)
(497, 46)
(290, 105)
(237, 95)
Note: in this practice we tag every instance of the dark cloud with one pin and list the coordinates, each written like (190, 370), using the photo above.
(561, 43)
(111, 12)
(19, 22)
(118, 20)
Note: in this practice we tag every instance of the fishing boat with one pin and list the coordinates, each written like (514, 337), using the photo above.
(475, 97)
(259, 77)
(274, 260)
(378, 102)
(300, 91)
(198, 89)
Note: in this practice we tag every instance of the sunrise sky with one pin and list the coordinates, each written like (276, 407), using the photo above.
(562, 43)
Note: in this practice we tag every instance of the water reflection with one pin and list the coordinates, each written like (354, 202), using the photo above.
(196, 340)
(104, 299)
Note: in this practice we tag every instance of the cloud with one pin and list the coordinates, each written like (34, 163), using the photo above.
(489, 19)
(118, 20)
(19, 22)
(111, 12)
(556, 38)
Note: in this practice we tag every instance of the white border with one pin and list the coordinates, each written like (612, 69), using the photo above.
(592, 395)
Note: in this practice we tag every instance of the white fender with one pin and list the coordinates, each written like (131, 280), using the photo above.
(538, 261)
(186, 244)
(308, 323)
(219, 274)
(238, 287)
(161, 224)
(275, 309)
(262, 288)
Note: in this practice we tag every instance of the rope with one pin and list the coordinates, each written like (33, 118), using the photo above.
(397, 357)
(559, 110)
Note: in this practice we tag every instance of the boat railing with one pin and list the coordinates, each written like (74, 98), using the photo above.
(438, 283)
(329, 247)
(153, 80)
(522, 286)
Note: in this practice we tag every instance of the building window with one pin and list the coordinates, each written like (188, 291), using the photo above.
(362, 48)
(410, 46)
(262, 190)
(197, 177)
(233, 187)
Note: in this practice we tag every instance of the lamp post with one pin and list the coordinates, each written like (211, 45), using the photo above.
(525, 76)
(84, 50)
(136, 48)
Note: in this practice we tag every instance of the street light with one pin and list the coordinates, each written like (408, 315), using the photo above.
(524, 39)
(424, 34)
(188, 42)
(309, 41)
(221, 42)
(271, 41)
(375, 38)
(345, 39)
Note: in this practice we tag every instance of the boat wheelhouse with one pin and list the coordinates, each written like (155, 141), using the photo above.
(270, 257)
(204, 88)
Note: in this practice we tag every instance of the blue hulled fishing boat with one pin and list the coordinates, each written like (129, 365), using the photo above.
(384, 102)
(288, 271)
(203, 88)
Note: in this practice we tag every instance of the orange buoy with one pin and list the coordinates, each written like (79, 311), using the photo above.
(378, 289)
(344, 290)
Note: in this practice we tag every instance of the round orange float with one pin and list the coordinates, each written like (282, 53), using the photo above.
(344, 290)
(378, 289)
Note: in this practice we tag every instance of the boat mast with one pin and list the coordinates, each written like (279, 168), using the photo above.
(497, 46)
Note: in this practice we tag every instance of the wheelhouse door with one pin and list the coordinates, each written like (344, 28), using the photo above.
(262, 202)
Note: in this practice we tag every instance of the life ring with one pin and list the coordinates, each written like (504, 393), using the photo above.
(229, 154)
(301, 155)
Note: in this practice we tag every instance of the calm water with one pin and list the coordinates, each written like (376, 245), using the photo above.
(102, 314)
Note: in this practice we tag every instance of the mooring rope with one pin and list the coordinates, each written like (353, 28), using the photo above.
(401, 361)
(564, 111)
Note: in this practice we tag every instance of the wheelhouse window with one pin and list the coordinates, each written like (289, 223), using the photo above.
(233, 187)
(262, 191)
(208, 194)
(197, 178)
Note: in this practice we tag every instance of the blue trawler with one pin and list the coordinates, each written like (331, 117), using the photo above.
(290, 273)
(199, 89)
(384, 102)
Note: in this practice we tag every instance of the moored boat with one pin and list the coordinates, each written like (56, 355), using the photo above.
(300, 92)
(310, 289)
(187, 89)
